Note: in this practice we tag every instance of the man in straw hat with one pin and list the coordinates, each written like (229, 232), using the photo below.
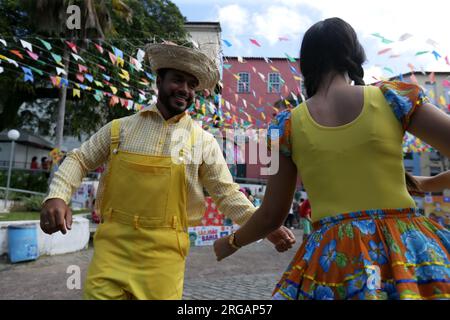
(150, 192)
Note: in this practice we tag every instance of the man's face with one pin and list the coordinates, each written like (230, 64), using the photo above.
(176, 91)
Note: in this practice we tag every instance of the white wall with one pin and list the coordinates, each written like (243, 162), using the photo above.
(22, 154)
(74, 240)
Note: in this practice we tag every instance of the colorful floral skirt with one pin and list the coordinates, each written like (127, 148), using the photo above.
(374, 254)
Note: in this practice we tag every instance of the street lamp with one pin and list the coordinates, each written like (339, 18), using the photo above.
(13, 135)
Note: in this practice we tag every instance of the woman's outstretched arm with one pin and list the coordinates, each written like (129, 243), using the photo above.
(272, 213)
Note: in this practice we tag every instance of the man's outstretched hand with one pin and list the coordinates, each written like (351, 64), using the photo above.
(56, 216)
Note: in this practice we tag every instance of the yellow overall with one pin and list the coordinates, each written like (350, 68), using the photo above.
(142, 243)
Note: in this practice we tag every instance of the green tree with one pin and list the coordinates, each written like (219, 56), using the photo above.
(150, 21)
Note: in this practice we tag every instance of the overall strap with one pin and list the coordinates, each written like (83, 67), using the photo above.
(115, 135)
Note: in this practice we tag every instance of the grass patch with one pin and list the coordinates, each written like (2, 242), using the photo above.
(20, 216)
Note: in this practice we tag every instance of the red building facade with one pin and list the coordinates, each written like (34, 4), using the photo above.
(254, 90)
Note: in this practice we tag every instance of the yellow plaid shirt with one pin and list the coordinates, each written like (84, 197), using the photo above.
(147, 132)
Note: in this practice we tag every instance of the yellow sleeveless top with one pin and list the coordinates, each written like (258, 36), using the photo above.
(353, 167)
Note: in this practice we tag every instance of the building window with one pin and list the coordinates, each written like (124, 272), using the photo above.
(274, 83)
(243, 82)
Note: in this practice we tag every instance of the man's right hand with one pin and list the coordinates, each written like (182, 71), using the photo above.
(56, 216)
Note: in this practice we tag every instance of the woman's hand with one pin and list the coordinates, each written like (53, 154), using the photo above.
(222, 248)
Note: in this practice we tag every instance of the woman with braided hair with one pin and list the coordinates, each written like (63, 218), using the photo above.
(369, 240)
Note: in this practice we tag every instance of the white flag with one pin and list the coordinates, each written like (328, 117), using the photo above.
(26, 45)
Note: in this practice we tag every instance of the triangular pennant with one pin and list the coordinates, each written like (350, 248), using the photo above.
(256, 43)
(60, 71)
(82, 68)
(57, 58)
(17, 53)
(76, 93)
(98, 84)
(89, 77)
(117, 52)
(33, 55)
(80, 77)
(77, 57)
(47, 45)
(227, 43)
(290, 58)
(3, 42)
(39, 72)
(26, 45)
(72, 46)
(99, 48)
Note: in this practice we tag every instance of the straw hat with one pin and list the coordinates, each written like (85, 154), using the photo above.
(185, 59)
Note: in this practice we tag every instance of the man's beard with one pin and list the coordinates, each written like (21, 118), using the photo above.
(169, 102)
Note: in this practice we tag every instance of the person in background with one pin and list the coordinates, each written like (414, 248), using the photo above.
(34, 165)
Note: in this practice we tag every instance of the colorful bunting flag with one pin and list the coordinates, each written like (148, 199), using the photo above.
(26, 45)
(76, 93)
(60, 71)
(256, 43)
(77, 57)
(47, 45)
(99, 48)
(405, 36)
(57, 58)
(17, 53)
(384, 51)
(227, 43)
(436, 55)
(72, 46)
(80, 77)
(33, 55)
(28, 74)
(290, 58)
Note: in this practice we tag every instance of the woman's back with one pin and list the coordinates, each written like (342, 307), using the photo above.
(352, 162)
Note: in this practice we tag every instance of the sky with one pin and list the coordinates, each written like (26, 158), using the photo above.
(423, 25)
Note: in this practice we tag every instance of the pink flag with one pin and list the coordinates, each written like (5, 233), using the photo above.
(72, 46)
(80, 77)
(82, 68)
(283, 39)
(256, 43)
(112, 57)
(414, 79)
(33, 55)
(432, 77)
(446, 60)
(99, 48)
(384, 51)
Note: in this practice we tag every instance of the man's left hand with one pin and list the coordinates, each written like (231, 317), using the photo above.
(282, 238)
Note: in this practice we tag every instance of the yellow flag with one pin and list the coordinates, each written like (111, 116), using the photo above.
(120, 62)
(76, 93)
(124, 75)
(274, 69)
(113, 89)
(263, 116)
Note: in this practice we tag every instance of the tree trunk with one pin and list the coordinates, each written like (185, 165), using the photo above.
(62, 103)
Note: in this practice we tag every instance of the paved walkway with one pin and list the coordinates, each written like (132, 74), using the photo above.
(251, 273)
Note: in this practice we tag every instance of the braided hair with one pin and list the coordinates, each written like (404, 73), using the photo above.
(330, 45)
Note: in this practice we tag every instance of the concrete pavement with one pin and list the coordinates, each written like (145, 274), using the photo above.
(250, 274)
